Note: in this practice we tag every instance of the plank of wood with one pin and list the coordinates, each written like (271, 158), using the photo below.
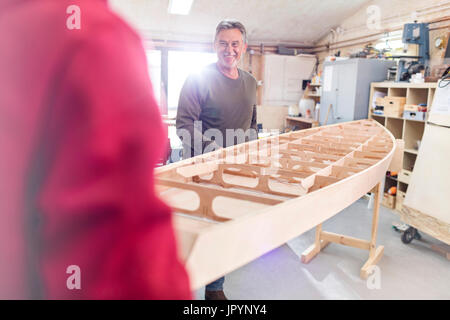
(345, 240)
(432, 226)
(430, 181)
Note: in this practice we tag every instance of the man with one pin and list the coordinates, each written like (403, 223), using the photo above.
(221, 99)
(80, 133)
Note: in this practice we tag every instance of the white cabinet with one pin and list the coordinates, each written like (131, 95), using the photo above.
(283, 77)
(346, 86)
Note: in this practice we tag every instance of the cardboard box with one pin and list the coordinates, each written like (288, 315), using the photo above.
(414, 115)
(400, 197)
(388, 201)
(379, 101)
(394, 106)
(411, 107)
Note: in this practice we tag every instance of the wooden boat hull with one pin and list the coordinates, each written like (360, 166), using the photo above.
(213, 245)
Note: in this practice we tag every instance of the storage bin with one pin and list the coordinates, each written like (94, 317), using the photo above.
(414, 115)
(388, 201)
(394, 106)
(404, 176)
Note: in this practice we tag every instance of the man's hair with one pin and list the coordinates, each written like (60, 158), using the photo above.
(231, 24)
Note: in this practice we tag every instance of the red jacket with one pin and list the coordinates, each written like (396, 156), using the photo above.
(80, 133)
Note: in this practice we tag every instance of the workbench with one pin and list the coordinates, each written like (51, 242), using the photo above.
(301, 122)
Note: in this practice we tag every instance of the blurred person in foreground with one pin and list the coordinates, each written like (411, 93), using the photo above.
(80, 134)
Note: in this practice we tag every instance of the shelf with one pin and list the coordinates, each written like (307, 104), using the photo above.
(391, 117)
(379, 119)
(413, 151)
(409, 160)
(403, 187)
(389, 183)
(395, 126)
(392, 178)
(411, 131)
(417, 96)
(314, 85)
(397, 92)
(392, 84)
(414, 120)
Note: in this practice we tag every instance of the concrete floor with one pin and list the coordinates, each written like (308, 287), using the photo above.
(412, 271)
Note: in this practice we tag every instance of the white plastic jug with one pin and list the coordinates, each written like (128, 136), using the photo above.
(293, 110)
(306, 107)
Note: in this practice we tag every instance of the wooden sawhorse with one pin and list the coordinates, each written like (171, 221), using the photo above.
(323, 238)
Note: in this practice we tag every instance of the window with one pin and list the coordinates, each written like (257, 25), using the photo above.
(154, 70)
(392, 42)
(181, 64)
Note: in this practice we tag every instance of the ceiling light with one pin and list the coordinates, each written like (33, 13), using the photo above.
(180, 6)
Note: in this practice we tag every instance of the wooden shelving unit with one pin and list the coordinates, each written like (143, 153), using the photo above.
(314, 92)
(410, 131)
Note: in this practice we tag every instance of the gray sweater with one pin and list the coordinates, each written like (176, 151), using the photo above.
(219, 103)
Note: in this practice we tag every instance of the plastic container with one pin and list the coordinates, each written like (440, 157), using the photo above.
(306, 107)
(293, 110)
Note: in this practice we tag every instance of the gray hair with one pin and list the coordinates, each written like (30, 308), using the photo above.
(231, 24)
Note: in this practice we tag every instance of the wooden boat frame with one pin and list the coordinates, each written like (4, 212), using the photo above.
(294, 172)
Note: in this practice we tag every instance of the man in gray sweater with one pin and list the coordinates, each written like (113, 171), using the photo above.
(219, 103)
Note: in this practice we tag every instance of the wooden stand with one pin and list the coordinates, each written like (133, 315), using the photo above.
(323, 238)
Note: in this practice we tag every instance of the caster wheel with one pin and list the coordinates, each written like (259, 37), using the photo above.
(408, 235)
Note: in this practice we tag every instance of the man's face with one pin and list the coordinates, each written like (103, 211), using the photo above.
(229, 47)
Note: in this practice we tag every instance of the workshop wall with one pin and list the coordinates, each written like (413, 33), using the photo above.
(371, 23)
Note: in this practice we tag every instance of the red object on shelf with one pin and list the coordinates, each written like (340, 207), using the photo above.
(392, 191)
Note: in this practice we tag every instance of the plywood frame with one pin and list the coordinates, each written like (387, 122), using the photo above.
(290, 175)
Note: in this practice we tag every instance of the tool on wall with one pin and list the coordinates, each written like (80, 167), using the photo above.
(418, 34)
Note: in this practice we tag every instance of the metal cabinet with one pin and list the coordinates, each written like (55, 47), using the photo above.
(346, 87)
